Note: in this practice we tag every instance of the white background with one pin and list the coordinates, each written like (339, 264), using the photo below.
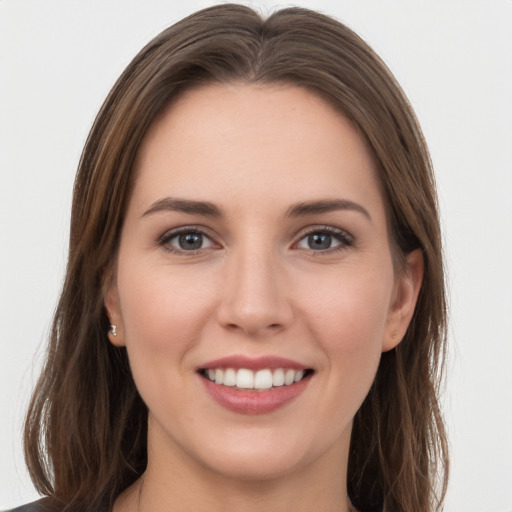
(59, 58)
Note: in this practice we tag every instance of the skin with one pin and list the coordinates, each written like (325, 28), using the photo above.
(255, 287)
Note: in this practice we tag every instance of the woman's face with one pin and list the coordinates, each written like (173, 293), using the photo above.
(254, 254)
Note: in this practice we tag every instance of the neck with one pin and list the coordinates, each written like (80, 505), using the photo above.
(280, 495)
(175, 481)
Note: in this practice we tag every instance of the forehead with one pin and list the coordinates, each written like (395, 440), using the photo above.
(247, 141)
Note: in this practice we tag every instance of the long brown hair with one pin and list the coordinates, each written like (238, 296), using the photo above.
(85, 433)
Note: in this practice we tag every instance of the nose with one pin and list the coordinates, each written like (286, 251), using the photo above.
(254, 299)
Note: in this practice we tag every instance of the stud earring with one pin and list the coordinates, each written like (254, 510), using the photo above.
(113, 330)
(394, 334)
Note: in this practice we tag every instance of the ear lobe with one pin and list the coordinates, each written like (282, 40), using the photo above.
(111, 300)
(405, 297)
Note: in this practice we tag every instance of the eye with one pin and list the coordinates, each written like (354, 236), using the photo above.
(325, 239)
(186, 240)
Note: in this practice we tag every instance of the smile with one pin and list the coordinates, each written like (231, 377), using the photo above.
(254, 385)
(264, 379)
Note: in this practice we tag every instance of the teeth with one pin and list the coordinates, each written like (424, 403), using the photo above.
(278, 377)
(244, 379)
(247, 379)
(289, 377)
(298, 376)
(263, 379)
(229, 377)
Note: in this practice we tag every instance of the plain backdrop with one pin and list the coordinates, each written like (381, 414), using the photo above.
(59, 58)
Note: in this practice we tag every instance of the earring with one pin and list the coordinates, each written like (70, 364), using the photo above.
(394, 334)
(113, 330)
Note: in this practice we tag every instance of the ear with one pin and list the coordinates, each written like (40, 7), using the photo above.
(111, 301)
(405, 296)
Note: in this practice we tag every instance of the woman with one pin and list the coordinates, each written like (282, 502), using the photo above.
(253, 313)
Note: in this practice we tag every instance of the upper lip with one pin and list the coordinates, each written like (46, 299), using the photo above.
(250, 363)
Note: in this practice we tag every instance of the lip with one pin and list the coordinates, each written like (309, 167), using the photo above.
(254, 402)
(254, 364)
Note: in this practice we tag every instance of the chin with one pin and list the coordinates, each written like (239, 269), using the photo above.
(268, 453)
(255, 465)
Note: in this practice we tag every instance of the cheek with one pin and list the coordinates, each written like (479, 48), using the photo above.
(160, 305)
(349, 312)
(348, 322)
(163, 315)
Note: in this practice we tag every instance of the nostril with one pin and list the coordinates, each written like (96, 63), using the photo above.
(233, 326)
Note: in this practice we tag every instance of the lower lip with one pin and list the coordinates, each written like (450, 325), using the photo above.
(254, 402)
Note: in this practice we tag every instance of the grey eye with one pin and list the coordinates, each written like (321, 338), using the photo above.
(189, 241)
(319, 242)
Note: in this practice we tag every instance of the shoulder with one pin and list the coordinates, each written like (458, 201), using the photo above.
(48, 505)
(42, 505)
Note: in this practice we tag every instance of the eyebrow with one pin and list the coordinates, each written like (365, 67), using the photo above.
(185, 206)
(325, 206)
(299, 210)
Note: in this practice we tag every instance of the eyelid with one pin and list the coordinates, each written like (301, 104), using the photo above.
(167, 236)
(343, 236)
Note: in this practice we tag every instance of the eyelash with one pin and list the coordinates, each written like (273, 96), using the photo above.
(164, 240)
(345, 239)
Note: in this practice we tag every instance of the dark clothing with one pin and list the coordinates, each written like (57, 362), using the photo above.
(42, 505)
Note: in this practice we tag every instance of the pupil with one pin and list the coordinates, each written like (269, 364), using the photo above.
(319, 241)
(191, 241)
